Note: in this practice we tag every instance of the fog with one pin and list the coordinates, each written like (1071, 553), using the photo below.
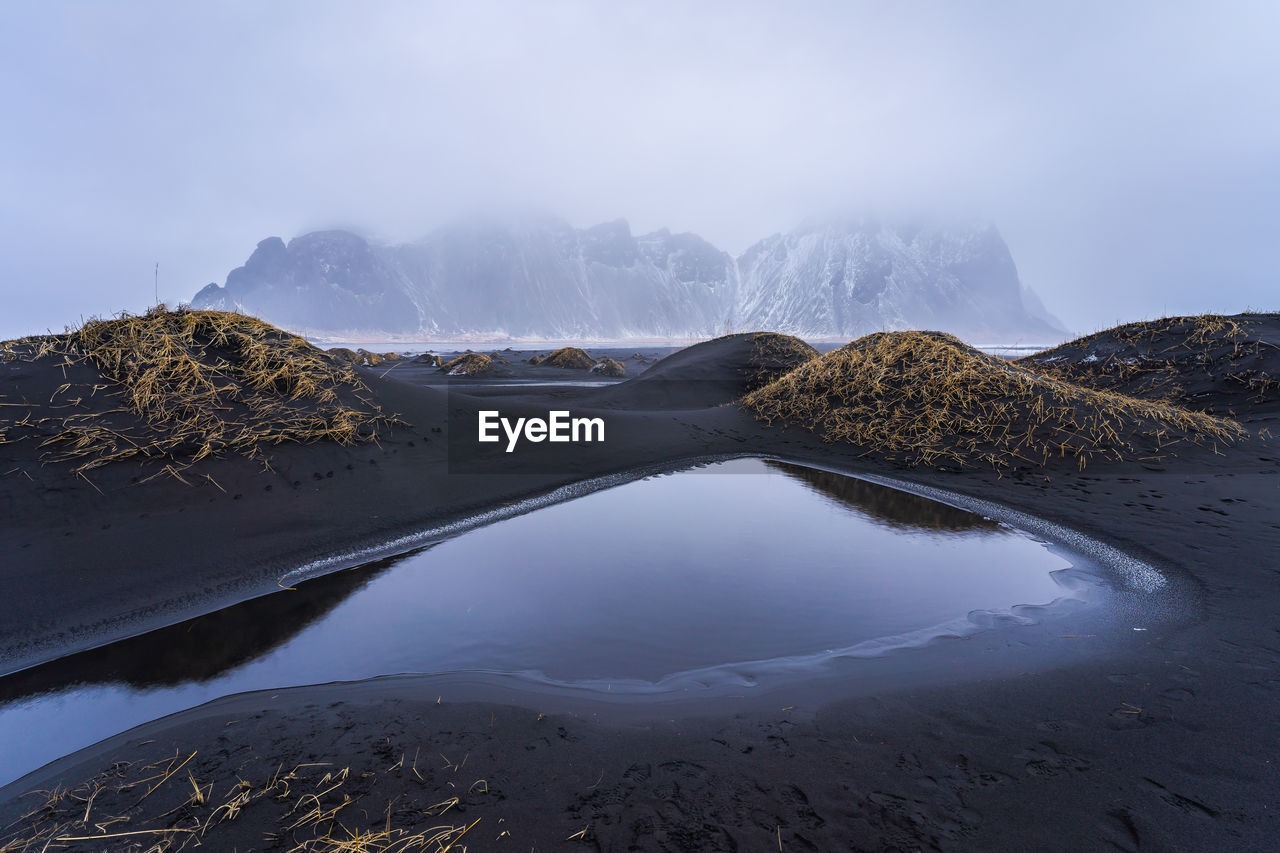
(1127, 151)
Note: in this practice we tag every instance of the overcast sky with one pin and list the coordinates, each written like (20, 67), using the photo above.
(1129, 152)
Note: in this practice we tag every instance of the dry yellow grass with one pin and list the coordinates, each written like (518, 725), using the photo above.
(192, 384)
(925, 398)
(773, 354)
(1192, 331)
(373, 359)
(171, 805)
(571, 358)
(468, 364)
(1203, 361)
(609, 367)
(344, 354)
(362, 356)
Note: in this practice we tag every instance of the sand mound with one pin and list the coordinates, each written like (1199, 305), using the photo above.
(362, 356)
(179, 385)
(926, 398)
(468, 364)
(747, 359)
(570, 358)
(373, 359)
(772, 355)
(1211, 363)
(609, 367)
(349, 356)
(710, 373)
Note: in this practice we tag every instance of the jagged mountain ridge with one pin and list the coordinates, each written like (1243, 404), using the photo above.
(542, 278)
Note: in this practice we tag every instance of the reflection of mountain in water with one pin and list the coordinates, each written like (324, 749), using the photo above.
(203, 648)
(886, 505)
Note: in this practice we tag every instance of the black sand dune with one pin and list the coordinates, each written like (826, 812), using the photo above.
(926, 398)
(566, 358)
(708, 374)
(1167, 739)
(470, 364)
(1225, 365)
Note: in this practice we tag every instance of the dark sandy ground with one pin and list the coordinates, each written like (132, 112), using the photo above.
(1168, 742)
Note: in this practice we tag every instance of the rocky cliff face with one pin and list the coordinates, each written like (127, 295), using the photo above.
(541, 278)
(855, 277)
(322, 280)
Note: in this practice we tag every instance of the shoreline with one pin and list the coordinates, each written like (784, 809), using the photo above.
(1092, 743)
(1061, 731)
(1096, 585)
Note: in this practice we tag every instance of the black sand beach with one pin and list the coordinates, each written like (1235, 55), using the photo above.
(1164, 741)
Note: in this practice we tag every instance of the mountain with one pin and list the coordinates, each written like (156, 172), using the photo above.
(538, 277)
(322, 280)
(849, 278)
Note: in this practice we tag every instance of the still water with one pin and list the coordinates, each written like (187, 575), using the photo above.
(719, 568)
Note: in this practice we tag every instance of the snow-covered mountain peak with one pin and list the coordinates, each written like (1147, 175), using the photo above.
(536, 276)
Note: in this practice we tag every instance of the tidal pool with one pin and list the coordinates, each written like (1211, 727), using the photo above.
(720, 569)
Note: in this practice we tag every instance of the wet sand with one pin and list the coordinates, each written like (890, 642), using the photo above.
(1167, 741)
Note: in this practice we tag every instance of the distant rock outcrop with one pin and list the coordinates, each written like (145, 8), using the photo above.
(541, 278)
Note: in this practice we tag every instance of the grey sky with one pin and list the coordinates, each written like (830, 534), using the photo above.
(1129, 152)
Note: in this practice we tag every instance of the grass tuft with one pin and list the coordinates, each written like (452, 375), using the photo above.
(609, 367)
(312, 808)
(1207, 362)
(468, 364)
(362, 356)
(570, 358)
(773, 354)
(925, 398)
(182, 385)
